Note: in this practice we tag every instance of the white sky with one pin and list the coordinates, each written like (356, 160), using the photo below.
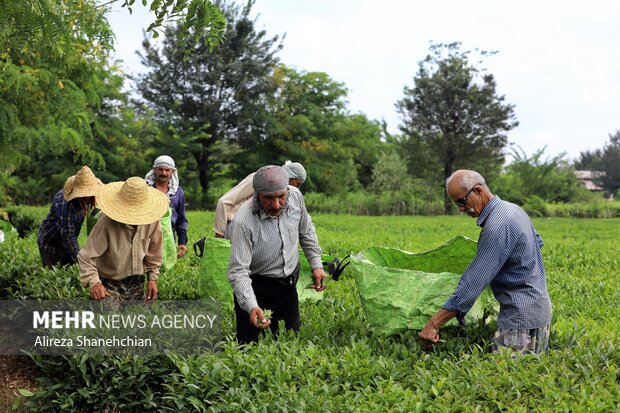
(558, 62)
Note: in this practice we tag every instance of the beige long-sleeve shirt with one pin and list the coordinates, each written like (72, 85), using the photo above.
(230, 202)
(115, 251)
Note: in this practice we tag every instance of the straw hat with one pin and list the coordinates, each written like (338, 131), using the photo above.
(83, 184)
(132, 202)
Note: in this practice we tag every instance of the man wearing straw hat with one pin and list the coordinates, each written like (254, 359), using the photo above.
(59, 231)
(164, 177)
(125, 243)
(263, 266)
(231, 201)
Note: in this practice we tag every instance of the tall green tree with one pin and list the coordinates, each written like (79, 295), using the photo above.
(309, 123)
(606, 160)
(53, 62)
(211, 100)
(610, 164)
(453, 117)
(589, 160)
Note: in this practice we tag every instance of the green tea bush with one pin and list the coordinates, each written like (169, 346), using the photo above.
(336, 363)
(370, 203)
(26, 219)
(103, 384)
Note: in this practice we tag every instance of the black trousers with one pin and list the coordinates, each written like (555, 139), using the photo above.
(276, 294)
(48, 259)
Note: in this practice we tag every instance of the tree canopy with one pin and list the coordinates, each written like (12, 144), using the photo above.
(606, 160)
(208, 100)
(453, 117)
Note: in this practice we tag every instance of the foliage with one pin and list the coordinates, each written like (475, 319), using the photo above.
(25, 219)
(390, 174)
(53, 61)
(98, 383)
(453, 117)
(551, 180)
(309, 124)
(610, 164)
(606, 160)
(594, 209)
(200, 17)
(206, 101)
(335, 363)
(415, 201)
(61, 103)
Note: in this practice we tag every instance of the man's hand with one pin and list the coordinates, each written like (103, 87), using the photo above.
(181, 251)
(151, 290)
(257, 318)
(429, 336)
(318, 275)
(98, 292)
(430, 333)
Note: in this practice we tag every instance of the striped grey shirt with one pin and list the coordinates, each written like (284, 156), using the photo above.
(265, 245)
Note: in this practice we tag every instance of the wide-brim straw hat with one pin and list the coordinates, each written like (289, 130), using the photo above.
(83, 184)
(132, 202)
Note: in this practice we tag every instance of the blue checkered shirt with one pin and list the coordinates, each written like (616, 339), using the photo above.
(59, 231)
(510, 261)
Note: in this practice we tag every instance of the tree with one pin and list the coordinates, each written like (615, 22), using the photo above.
(210, 101)
(53, 68)
(606, 160)
(309, 124)
(610, 164)
(453, 118)
(390, 174)
(201, 17)
(552, 180)
(589, 160)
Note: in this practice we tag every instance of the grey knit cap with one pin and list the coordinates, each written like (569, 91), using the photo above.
(270, 179)
(295, 170)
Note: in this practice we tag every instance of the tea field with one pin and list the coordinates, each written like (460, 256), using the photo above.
(336, 363)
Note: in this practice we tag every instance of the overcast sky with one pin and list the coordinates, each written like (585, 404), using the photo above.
(558, 62)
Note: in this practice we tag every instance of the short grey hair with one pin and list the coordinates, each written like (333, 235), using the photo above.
(466, 179)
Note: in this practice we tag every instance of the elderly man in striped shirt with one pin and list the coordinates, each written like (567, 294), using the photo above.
(263, 266)
(509, 260)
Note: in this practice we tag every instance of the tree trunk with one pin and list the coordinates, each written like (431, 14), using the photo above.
(202, 159)
(447, 171)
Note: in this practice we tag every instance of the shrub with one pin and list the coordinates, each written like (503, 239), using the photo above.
(25, 219)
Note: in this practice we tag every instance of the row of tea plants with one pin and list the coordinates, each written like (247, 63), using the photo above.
(336, 363)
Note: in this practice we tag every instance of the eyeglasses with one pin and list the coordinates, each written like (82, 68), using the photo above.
(462, 202)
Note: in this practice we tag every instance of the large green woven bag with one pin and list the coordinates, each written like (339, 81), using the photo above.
(400, 290)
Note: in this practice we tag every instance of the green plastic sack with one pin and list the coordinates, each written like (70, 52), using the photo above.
(213, 278)
(9, 233)
(169, 244)
(213, 281)
(91, 219)
(400, 290)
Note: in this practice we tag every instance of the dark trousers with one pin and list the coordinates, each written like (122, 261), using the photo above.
(48, 259)
(127, 289)
(276, 294)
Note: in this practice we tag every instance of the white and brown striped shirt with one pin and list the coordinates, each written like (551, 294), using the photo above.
(266, 245)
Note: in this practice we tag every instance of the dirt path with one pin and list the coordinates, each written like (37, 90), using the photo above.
(16, 372)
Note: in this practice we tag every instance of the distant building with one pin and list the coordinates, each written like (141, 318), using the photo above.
(588, 179)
